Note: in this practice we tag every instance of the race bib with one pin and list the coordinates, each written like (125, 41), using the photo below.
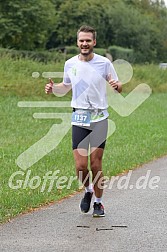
(81, 118)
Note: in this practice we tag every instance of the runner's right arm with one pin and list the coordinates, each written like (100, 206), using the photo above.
(60, 89)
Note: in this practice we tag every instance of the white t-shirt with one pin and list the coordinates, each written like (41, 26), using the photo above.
(88, 80)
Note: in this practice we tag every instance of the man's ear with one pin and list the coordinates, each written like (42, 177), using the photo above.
(95, 42)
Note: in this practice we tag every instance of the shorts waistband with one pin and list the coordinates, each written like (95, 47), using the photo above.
(91, 110)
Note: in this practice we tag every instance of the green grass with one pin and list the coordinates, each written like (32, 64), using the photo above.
(138, 138)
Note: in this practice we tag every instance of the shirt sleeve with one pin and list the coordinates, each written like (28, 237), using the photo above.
(66, 78)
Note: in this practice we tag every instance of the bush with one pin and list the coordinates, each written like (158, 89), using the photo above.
(42, 56)
(100, 51)
(118, 52)
(71, 50)
(69, 56)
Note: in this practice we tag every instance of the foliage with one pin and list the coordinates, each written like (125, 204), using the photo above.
(25, 24)
(100, 51)
(118, 52)
(140, 25)
(71, 50)
(43, 56)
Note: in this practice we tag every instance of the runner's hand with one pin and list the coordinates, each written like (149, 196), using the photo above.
(113, 83)
(49, 87)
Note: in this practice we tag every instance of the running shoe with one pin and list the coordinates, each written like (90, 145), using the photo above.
(98, 210)
(85, 202)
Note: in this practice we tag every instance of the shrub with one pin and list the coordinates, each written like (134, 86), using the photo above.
(42, 56)
(118, 52)
(100, 51)
(71, 50)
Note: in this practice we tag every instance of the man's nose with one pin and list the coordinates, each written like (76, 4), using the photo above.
(84, 43)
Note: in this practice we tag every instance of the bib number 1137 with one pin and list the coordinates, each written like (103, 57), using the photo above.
(81, 117)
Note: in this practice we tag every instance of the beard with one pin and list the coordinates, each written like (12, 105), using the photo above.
(90, 50)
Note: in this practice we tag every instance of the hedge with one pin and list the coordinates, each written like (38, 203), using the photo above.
(42, 56)
(118, 52)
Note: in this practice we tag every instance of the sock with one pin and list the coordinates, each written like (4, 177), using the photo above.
(98, 200)
(89, 188)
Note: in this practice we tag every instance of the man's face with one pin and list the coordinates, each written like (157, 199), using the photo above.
(86, 43)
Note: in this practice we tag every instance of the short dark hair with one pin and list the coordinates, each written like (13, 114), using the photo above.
(87, 28)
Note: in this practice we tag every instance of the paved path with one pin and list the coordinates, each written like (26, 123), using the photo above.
(136, 219)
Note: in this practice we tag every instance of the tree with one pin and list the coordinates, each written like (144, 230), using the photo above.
(137, 28)
(137, 24)
(72, 14)
(25, 24)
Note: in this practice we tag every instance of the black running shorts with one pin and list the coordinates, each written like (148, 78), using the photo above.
(93, 136)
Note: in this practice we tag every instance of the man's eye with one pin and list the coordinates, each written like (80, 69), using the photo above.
(87, 41)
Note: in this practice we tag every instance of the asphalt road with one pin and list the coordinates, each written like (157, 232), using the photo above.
(136, 219)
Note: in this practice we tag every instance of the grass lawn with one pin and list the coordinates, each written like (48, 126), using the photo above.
(138, 138)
